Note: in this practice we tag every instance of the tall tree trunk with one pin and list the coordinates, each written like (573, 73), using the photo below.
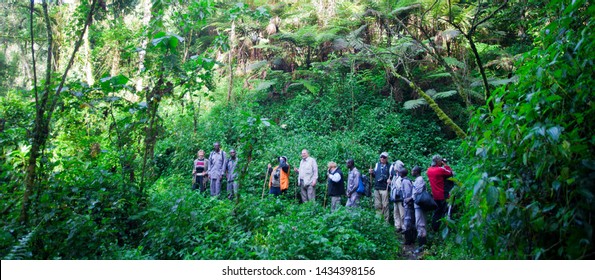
(146, 5)
(88, 65)
(231, 48)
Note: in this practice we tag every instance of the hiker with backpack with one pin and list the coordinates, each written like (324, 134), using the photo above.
(409, 217)
(279, 179)
(380, 173)
(437, 173)
(336, 185)
(396, 195)
(307, 177)
(232, 174)
(217, 161)
(419, 186)
(353, 181)
(199, 172)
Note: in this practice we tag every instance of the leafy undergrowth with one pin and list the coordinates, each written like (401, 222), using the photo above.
(182, 224)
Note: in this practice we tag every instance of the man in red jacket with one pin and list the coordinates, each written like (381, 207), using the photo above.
(437, 174)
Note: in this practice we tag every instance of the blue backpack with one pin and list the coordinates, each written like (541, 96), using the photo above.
(363, 187)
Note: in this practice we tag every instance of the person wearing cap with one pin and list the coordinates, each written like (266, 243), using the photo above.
(437, 173)
(380, 174)
(279, 179)
(232, 174)
(353, 179)
(307, 177)
(336, 185)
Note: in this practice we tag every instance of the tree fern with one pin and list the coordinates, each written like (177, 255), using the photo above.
(21, 251)
(416, 103)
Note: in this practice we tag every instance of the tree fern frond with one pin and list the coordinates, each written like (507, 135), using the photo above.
(444, 94)
(21, 250)
(475, 94)
(431, 92)
(414, 104)
(438, 75)
(400, 10)
(263, 85)
(454, 62)
(356, 33)
(499, 82)
(257, 65)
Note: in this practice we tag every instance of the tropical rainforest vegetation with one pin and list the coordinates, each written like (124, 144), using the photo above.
(104, 104)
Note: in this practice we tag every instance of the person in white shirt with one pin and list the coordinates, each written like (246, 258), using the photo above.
(308, 175)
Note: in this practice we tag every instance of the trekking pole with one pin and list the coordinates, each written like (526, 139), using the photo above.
(266, 176)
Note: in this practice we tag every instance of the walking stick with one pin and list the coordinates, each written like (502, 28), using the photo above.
(297, 186)
(265, 182)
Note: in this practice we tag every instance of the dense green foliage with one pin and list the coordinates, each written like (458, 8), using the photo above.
(102, 170)
(530, 192)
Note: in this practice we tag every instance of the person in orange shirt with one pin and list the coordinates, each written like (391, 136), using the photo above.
(279, 179)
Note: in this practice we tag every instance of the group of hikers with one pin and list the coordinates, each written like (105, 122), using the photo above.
(411, 200)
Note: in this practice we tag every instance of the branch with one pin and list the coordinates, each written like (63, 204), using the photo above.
(441, 115)
(70, 62)
(476, 13)
(490, 15)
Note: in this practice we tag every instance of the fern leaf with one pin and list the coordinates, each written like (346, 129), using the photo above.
(438, 75)
(264, 85)
(454, 62)
(444, 94)
(311, 87)
(257, 65)
(414, 104)
(21, 250)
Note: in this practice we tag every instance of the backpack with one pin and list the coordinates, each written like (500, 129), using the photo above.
(396, 194)
(276, 178)
(448, 186)
(363, 187)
